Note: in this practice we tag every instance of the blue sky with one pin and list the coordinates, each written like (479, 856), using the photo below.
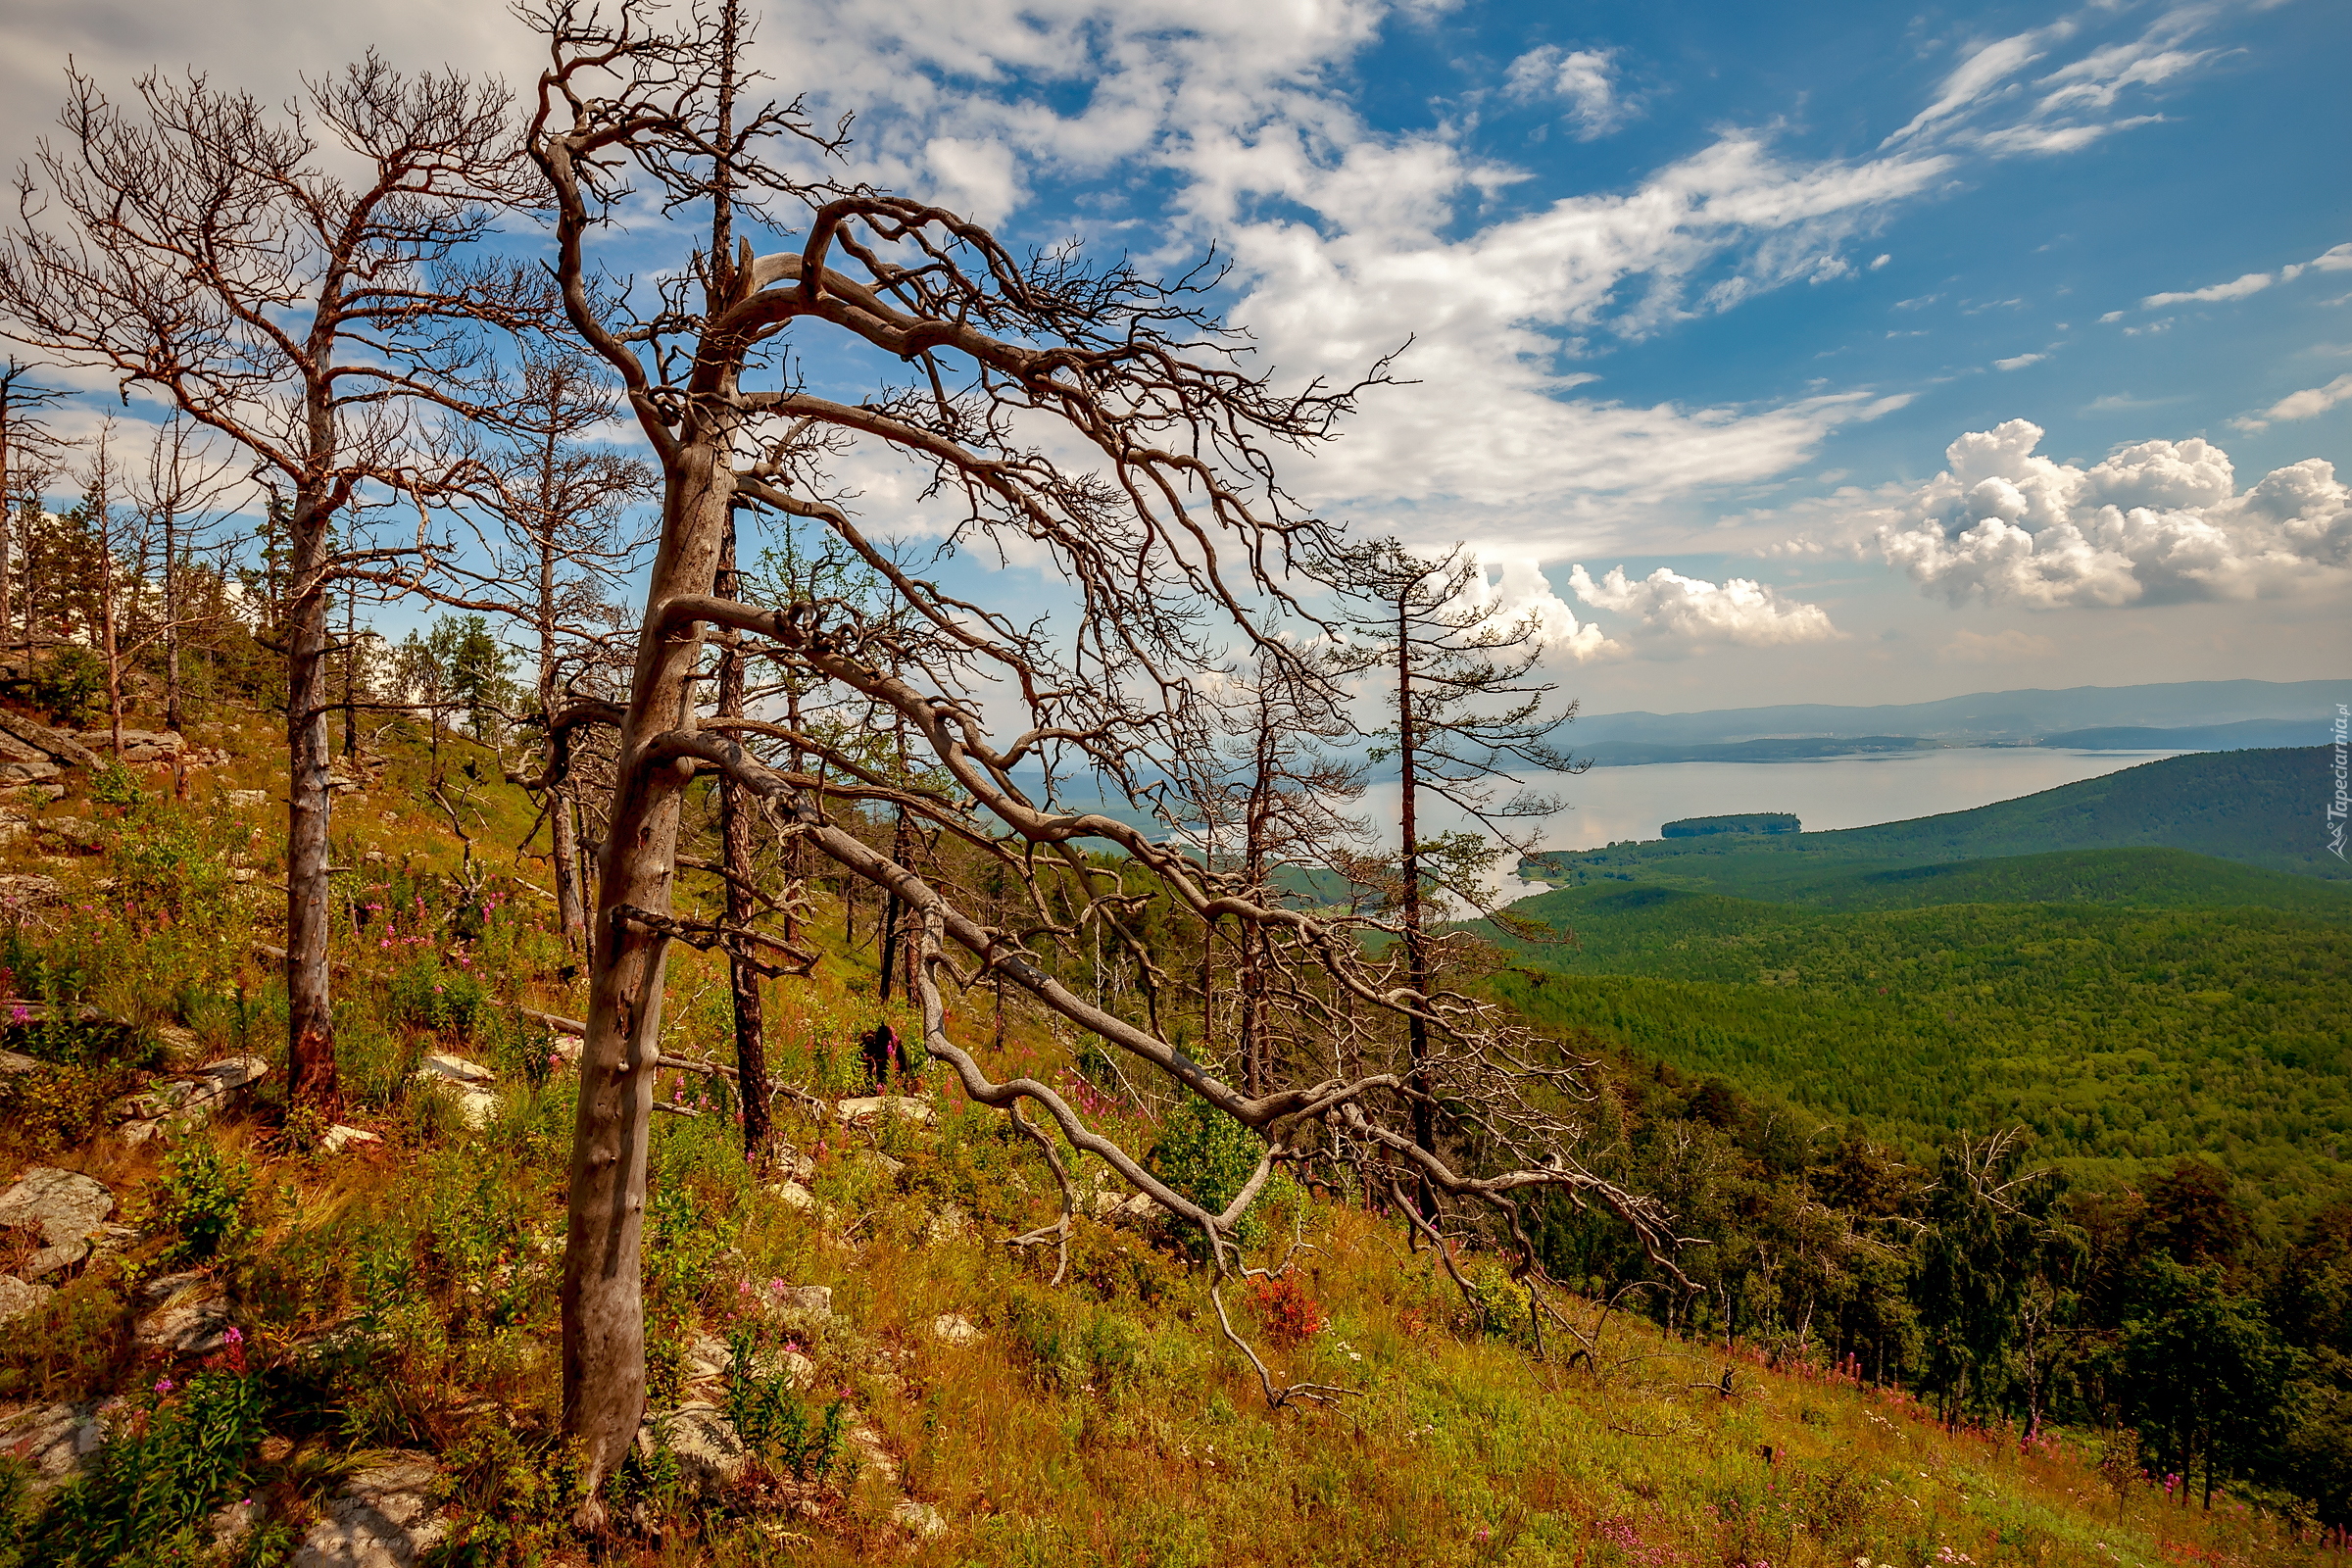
(1707, 289)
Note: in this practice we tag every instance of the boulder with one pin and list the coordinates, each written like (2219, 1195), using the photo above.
(339, 1138)
(21, 1297)
(918, 1519)
(245, 799)
(384, 1518)
(29, 791)
(73, 834)
(466, 1083)
(54, 1439)
(870, 1108)
(193, 1319)
(792, 1195)
(26, 891)
(181, 1103)
(11, 1064)
(816, 1300)
(65, 1206)
(710, 1453)
(954, 1328)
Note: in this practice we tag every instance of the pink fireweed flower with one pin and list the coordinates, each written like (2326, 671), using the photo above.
(162, 1385)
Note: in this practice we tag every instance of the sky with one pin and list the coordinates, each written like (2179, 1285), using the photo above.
(1829, 353)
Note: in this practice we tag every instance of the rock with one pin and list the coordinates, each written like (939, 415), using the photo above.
(466, 1083)
(710, 1450)
(26, 891)
(32, 793)
(176, 1041)
(709, 1360)
(72, 833)
(918, 1519)
(948, 1225)
(566, 1048)
(193, 1320)
(456, 1069)
(864, 1111)
(954, 1328)
(64, 1206)
(339, 1138)
(792, 1195)
(181, 1103)
(11, 1065)
(23, 773)
(385, 1518)
(54, 1439)
(814, 1300)
(232, 1524)
(873, 1159)
(21, 1298)
(873, 1458)
(245, 799)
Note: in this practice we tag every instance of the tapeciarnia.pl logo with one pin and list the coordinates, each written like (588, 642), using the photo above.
(2338, 808)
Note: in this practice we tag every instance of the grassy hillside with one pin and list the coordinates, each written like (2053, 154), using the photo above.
(2256, 807)
(402, 1298)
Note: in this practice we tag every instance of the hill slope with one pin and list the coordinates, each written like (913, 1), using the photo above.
(2256, 807)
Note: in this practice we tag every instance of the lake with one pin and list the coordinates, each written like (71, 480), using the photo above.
(1608, 804)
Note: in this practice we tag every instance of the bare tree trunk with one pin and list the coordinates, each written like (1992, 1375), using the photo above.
(735, 856)
(310, 1015)
(1416, 951)
(602, 1300)
(172, 713)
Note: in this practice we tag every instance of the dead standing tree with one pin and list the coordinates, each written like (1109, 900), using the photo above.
(1461, 713)
(1171, 537)
(200, 244)
(558, 505)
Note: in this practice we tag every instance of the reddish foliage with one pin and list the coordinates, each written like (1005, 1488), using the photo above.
(1286, 1313)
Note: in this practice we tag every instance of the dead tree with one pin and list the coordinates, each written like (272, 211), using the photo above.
(1175, 542)
(1462, 711)
(559, 507)
(26, 448)
(287, 281)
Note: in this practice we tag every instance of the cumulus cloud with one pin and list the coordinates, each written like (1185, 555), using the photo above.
(2156, 521)
(1585, 79)
(1679, 612)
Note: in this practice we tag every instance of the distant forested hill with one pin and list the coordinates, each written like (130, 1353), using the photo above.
(2121, 1037)
(2261, 809)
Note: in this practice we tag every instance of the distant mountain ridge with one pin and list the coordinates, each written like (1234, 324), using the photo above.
(2016, 716)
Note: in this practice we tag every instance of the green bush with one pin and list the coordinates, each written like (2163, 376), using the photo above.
(203, 1198)
(145, 1495)
(430, 996)
(1209, 1157)
(774, 1422)
(69, 683)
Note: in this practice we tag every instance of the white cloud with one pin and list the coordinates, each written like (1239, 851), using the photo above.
(1585, 79)
(2337, 259)
(2235, 289)
(2156, 521)
(1679, 612)
(2018, 362)
(2308, 403)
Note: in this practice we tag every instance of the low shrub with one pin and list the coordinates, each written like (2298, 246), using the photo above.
(203, 1198)
(145, 1494)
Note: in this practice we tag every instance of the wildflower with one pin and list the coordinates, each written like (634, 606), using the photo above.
(164, 1385)
(233, 1336)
